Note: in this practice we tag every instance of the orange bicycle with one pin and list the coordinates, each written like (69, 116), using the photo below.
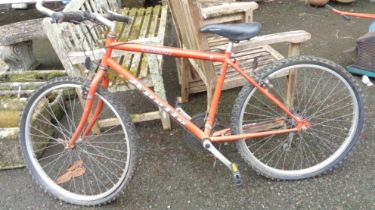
(299, 118)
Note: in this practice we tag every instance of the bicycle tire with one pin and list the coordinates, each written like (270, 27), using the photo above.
(91, 173)
(270, 155)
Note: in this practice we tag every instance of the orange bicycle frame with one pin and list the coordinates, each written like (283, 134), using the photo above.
(206, 134)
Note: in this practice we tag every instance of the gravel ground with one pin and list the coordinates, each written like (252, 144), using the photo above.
(169, 176)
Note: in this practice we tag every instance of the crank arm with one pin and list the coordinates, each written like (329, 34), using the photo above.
(232, 166)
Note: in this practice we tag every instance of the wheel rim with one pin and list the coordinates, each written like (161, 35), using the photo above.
(83, 150)
(277, 167)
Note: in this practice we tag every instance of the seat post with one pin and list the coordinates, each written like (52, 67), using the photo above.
(230, 46)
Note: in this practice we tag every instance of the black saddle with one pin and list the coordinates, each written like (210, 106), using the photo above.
(234, 32)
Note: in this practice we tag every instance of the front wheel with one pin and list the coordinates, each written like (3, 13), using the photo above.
(314, 89)
(100, 164)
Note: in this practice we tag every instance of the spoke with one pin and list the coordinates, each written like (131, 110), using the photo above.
(308, 148)
(336, 102)
(296, 156)
(96, 136)
(82, 176)
(282, 155)
(274, 153)
(55, 118)
(259, 141)
(333, 119)
(259, 121)
(88, 153)
(311, 96)
(270, 108)
(323, 149)
(69, 120)
(323, 102)
(58, 129)
(326, 98)
(330, 120)
(96, 178)
(324, 142)
(44, 137)
(98, 142)
(59, 171)
(114, 150)
(98, 164)
(276, 81)
(50, 146)
(263, 144)
(260, 115)
(53, 161)
(276, 148)
(51, 156)
(333, 127)
(102, 134)
(328, 133)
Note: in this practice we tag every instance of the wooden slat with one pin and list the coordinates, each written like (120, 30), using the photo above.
(121, 36)
(143, 27)
(290, 36)
(225, 19)
(161, 32)
(128, 57)
(228, 9)
(143, 71)
(136, 118)
(136, 31)
(122, 28)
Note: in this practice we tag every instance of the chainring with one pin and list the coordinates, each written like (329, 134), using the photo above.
(191, 141)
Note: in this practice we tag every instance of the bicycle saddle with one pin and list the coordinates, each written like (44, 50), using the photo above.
(234, 32)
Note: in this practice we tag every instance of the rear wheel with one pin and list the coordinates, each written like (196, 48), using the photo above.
(101, 163)
(324, 94)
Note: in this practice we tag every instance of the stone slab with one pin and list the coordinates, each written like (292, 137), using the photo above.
(10, 153)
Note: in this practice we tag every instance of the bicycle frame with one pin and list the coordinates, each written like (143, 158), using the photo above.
(206, 134)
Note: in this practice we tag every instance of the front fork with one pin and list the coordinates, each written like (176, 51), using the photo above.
(100, 77)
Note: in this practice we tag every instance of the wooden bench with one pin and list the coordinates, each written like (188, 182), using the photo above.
(73, 43)
(16, 44)
(199, 76)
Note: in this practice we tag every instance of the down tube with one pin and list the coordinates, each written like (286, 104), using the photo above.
(155, 99)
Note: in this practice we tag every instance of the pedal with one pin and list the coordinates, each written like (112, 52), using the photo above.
(236, 175)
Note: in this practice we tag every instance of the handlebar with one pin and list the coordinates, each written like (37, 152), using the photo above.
(42, 9)
(347, 15)
(79, 16)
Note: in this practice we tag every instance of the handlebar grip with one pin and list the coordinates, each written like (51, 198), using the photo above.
(328, 7)
(72, 17)
(117, 17)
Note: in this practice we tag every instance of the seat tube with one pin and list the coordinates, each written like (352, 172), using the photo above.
(218, 89)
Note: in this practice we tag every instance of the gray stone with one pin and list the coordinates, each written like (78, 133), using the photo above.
(10, 154)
